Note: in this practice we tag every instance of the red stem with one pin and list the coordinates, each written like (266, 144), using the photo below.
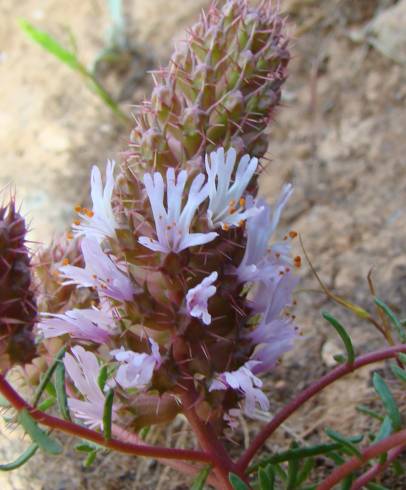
(208, 441)
(308, 393)
(372, 473)
(185, 468)
(373, 451)
(77, 430)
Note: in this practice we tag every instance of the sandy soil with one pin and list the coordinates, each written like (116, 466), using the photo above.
(339, 138)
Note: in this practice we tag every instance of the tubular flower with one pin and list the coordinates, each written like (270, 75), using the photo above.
(227, 204)
(100, 272)
(173, 223)
(99, 222)
(244, 381)
(83, 368)
(90, 324)
(260, 228)
(275, 334)
(197, 298)
(136, 369)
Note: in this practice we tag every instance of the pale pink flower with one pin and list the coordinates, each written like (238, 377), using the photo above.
(226, 203)
(93, 324)
(83, 368)
(100, 223)
(100, 272)
(197, 298)
(172, 223)
(257, 260)
(276, 332)
(244, 381)
(136, 368)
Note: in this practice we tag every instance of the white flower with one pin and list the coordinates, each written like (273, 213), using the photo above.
(227, 204)
(84, 369)
(136, 368)
(246, 383)
(100, 222)
(100, 272)
(197, 298)
(173, 223)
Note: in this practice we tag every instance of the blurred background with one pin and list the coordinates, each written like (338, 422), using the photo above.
(339, 137)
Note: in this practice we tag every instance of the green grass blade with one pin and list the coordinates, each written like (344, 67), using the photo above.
(51, 45)
(38, 436)
(389, 402)
(21, 460)
(102, 377)
(343, 334)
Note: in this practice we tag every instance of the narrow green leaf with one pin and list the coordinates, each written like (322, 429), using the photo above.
(90, 459)
(293, 471)
(302, 452)
(388, 401)
(21, 460)
(201, 478)
(102, 377)
(144, 432)
(308, 466)
(347, 482)
(47, 376)
(398, 372)
(345, 442)
(46, 404)
(402, 357)
(375, 486)
(385, 430)
(368, 411)
(107, 415)
(266, 482)
(38, 436)
(60, 389)
(51, 45)
(236, 482)
(343, 334)
(393, 318)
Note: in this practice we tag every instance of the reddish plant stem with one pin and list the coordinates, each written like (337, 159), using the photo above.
(377, 469)
(208, 441)
(373, 451)
(77, 430)
(185, 468)
(308, 393)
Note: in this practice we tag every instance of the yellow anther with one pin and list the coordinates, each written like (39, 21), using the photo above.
(76, 222)
(293, 234)
(69, 235)
(242, 202)
(65, 261)
(225, 227)
(78, 208)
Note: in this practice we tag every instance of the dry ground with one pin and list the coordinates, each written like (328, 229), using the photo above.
(339, 138)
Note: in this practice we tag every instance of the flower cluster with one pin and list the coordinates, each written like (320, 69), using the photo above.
(185, 290)
(143, 352)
